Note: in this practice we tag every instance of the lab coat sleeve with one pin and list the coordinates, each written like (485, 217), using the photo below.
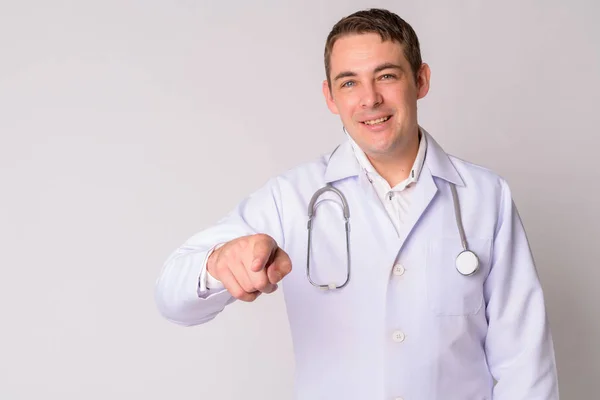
(518, 345)
(179, 293)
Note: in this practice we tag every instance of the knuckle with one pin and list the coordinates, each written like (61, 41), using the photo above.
(264, 239)
(243, 243)
(224, 255)
(262, 285)
(247, 287)
(261, 236)
(236, 292)
(221, 266)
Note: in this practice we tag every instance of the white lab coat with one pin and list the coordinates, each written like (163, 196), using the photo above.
(407, 325)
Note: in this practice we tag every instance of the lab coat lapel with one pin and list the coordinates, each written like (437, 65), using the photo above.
(437, 165)
(343, 164)
(421, 198)
(438, 162)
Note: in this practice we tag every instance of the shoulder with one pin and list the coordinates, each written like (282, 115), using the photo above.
(312, 170)
(480, 177)
(487, 188)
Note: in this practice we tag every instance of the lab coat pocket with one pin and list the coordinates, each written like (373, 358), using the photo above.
(449, 292)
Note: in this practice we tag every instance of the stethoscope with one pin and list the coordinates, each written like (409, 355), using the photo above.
(466, 262)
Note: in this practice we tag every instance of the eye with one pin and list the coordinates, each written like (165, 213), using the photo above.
(348, 84)
(388, 76)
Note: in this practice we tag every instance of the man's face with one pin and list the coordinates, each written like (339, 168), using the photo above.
(373, 89)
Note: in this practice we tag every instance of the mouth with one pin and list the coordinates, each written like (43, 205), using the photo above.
(378, 121)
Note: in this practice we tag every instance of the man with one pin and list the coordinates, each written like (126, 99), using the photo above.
(403, 319)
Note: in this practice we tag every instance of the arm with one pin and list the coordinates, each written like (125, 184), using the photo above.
(519, 344)
(179, 293)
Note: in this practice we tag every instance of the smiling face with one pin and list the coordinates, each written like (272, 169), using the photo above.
(374, 91)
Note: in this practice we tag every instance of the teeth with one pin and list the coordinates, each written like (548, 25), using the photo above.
(376, 121)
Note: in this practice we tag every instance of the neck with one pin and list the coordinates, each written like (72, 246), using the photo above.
(396, 167)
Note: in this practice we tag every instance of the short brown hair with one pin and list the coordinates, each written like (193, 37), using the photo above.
(375, 20)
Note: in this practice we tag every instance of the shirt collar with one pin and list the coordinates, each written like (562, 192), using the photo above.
(417, 164)
(342, 162)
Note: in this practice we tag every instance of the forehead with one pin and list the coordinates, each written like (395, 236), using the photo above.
(363, 52)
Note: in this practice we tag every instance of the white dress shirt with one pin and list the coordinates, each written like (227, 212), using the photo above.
(396, 201)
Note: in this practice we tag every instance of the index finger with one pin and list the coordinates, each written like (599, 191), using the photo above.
(261, 253)
(280, 267)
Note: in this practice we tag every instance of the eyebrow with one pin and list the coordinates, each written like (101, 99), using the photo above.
(388, 66)
(379, 68)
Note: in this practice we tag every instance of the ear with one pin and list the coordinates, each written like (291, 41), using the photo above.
(329, 98)
(423, 78)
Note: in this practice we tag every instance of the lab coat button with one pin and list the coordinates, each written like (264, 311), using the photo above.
(399, 270)
(398, 336)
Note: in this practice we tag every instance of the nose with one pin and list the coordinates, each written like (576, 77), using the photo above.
(371, 97)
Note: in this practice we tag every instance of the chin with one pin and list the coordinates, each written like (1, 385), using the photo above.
(377, 149)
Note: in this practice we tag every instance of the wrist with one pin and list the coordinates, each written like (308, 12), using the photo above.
(211, 263)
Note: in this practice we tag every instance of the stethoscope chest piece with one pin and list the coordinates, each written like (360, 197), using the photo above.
(467, 263)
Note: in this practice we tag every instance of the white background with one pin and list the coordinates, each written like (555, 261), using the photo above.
(127, 126)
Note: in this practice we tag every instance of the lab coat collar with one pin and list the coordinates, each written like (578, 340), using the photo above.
(343, 162)
(438, 162)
